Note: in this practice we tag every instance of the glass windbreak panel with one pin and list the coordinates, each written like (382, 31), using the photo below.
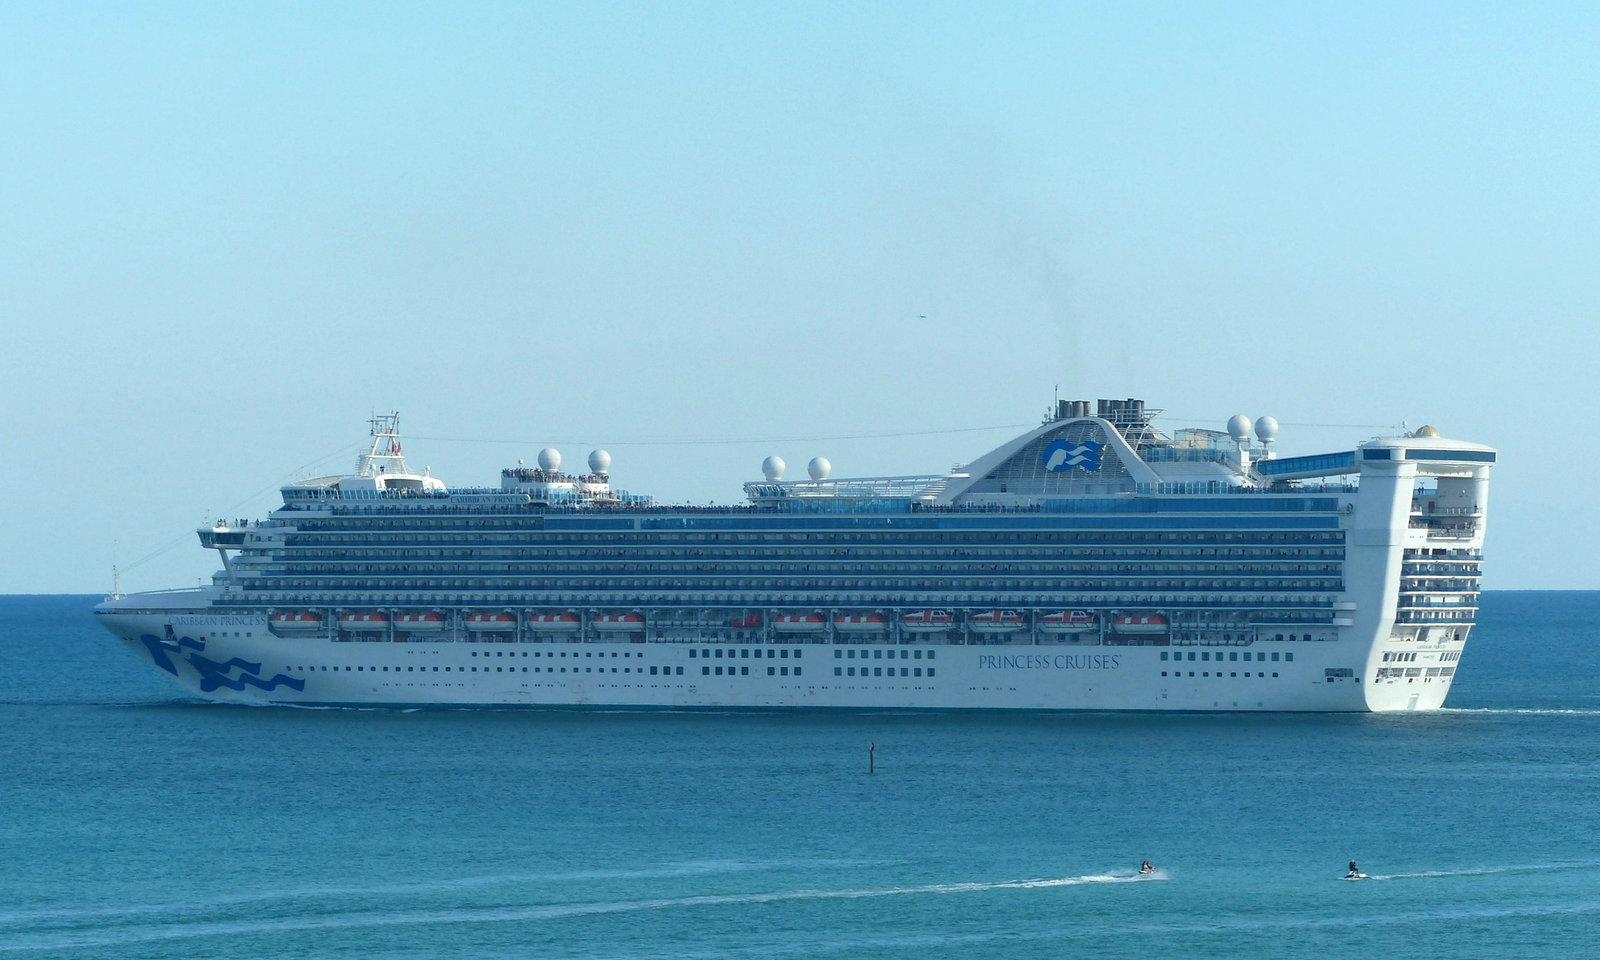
(1475, 456)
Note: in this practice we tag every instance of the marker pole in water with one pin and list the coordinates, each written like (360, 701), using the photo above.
(872, 762)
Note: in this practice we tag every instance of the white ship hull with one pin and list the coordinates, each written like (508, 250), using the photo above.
(235, 658)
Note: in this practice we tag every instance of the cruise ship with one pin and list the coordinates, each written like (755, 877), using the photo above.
(1093, 563)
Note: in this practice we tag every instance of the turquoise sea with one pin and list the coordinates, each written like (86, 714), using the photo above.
(137, 822)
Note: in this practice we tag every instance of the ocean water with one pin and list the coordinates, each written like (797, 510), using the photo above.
(137, 822)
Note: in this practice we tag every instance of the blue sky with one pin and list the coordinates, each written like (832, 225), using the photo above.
(233, 232)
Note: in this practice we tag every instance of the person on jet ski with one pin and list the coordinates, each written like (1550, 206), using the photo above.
(1353, 871)
(1146, 868)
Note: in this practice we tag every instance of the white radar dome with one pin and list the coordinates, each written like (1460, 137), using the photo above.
(599, 462)
(550, 459)
(819, 468)
(772, 468)
(1239, 427)
(1266, 429)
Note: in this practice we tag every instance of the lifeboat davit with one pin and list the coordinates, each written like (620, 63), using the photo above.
(861, 623)
(1146, 624)
(750, 622)
(1066, 621)
(299, 621)
(363, 621)
(554, 622)
(499, 621)
(995, 621)
(799, 622)
(926, 621)
(420, 622)
(617, 622)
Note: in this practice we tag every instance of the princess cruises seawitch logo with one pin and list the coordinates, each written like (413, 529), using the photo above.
(1067, 454)
(213, 673)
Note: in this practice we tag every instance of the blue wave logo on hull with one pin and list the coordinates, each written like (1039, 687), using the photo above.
(210, 681)
(159, 649)
(1063, 455)
(214, 674)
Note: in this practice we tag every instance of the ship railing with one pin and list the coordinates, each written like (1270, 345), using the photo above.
(1223, 487)
(1277, 604)
(1190, 454)
(863, 488)
(1438, 531)
(155, 593)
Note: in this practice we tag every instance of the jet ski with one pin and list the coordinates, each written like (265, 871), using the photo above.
(1355, 876)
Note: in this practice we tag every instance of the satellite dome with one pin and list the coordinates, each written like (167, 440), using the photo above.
(1266, 429)
(1239, 427)
(599, 462)
(1426, 430)
(819, 468)
(550, 459)
(772, 468)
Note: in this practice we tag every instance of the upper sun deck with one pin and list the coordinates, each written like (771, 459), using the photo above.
(1073, 455)
(1118, 451)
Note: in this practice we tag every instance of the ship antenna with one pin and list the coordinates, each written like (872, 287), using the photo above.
(385, 444)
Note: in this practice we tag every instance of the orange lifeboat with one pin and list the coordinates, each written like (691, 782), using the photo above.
(926, 621)
(1144, 624)
(861, 623)
(297, 621)
(1066, 621)
(498, 621)
(799, 623)
(554, 622)
(750, 622)
(619, 622)
(995, 621)
(363, 621)
(420, 622)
